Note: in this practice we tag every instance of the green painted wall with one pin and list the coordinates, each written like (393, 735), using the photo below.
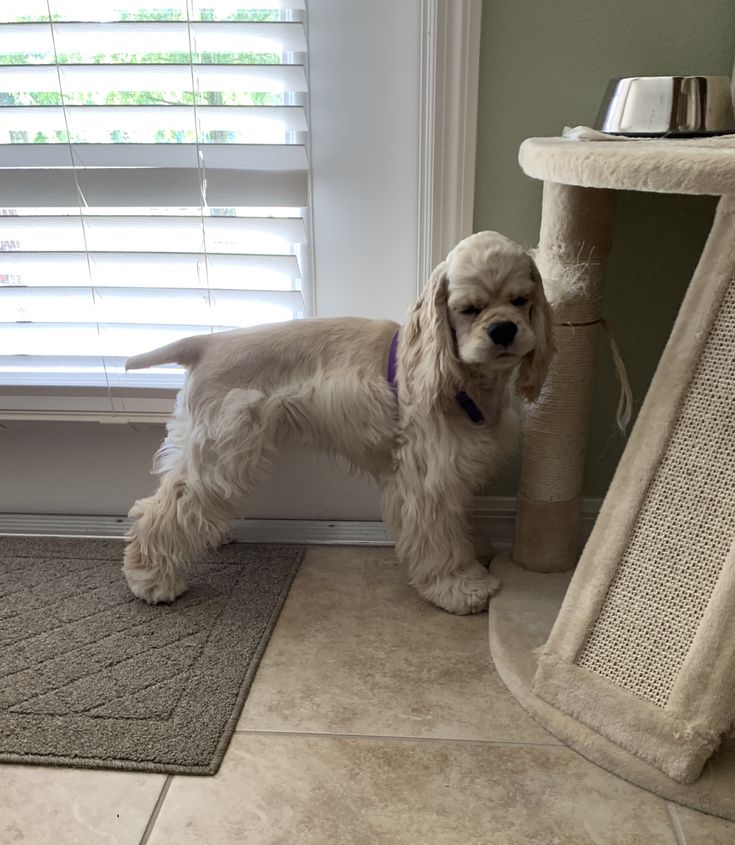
(545, 65)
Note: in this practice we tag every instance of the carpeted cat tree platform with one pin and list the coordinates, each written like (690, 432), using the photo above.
(631, 660)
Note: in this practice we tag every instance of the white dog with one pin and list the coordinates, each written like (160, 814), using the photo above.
(426, 411)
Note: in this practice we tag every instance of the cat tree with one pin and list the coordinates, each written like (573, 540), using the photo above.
(632, 663)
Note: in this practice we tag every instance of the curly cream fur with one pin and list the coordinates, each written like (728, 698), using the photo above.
(322, 383)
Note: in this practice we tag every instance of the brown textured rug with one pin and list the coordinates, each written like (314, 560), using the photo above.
(92, 677)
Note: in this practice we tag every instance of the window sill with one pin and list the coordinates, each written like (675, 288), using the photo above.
(86, 404)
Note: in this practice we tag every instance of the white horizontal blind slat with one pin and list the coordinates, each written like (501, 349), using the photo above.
(133, 156)
(153, 233)
(112, 10)
(117, 340)
(118, 38)
(154, 269)
(155, 180)
(132, 187)
(90, 124)
(171, 306)
(98, 80)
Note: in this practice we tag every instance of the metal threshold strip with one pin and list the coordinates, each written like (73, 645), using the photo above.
(306, 531)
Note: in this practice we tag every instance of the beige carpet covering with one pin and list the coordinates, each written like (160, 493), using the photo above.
(643, 650)
(92, 677)
(679, 166)
(521, 617)
(637, 672)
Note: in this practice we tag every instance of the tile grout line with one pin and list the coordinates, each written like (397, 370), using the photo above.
(156, 810)
(679, 834)
(424, 739)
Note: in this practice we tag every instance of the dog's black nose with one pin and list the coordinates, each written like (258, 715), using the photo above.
(502, 332)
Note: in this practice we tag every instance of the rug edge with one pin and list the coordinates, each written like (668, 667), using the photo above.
(231, 724)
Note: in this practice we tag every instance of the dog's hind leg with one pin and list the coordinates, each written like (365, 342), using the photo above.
(169, 530)
(216, 466)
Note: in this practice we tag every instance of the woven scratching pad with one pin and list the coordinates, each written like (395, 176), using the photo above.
(679, 546)
(642, 654)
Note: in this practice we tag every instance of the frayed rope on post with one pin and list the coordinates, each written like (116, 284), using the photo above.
(625, 401)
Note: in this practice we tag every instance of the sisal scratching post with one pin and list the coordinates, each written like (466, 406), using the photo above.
(643, 649)
(575, 240)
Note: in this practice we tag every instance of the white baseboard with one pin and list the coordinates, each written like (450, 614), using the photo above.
(492, 516)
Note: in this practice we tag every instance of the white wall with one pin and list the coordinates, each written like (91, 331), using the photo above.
(90, 468)
(364, 79)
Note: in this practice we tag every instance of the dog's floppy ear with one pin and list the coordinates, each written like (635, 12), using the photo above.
(429, 371)
(535, 365)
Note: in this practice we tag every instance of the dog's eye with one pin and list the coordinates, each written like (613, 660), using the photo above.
(519, 301)
(472, 310)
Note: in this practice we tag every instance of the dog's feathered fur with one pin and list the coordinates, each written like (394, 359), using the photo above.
(322, 382)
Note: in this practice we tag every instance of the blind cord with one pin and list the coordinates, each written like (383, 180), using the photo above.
(201, 167)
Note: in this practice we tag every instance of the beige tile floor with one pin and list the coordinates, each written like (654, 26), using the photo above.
(374, 718)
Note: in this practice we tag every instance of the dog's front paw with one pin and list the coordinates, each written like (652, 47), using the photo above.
(463, 593)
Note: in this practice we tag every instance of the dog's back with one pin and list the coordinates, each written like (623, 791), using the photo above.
(280, 351)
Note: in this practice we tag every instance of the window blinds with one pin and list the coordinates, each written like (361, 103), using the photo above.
(153, 180)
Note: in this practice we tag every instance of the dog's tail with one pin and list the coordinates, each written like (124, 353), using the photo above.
(186, 351)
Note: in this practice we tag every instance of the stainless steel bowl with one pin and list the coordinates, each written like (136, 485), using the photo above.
(667, 105)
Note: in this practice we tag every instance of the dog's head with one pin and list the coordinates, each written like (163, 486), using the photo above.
(484, 307)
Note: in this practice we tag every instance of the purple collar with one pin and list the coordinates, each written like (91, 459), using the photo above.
(463, 400)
